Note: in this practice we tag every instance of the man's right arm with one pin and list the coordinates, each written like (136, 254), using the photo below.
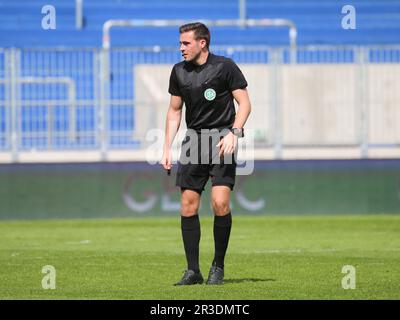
(173, 121)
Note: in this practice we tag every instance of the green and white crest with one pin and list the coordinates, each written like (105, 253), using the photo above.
(210, 94)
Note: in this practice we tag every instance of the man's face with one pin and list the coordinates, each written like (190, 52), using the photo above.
(190, 47)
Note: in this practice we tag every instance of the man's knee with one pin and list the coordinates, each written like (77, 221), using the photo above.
(220, 207)
(189, 204)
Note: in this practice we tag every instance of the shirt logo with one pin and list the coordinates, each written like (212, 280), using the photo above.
(210, 94)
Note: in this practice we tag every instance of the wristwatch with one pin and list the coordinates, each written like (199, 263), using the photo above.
(238, 132)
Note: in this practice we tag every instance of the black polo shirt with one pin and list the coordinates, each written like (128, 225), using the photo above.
(207, 91)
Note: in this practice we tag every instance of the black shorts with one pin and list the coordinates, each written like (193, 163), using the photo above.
(194, 175)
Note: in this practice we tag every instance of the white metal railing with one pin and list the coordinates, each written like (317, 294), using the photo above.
(71, 103)
(211, 23)
(334, 102)
(79, 14)
(71, 99)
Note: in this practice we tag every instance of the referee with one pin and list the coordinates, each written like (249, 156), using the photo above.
(207, 84)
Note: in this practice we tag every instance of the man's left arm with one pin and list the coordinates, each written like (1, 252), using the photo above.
(229, 143)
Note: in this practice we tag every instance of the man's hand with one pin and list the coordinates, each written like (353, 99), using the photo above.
(166, 160)
(227, 144)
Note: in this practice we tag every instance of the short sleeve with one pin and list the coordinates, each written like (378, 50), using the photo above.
(234, 76)
(173, 84)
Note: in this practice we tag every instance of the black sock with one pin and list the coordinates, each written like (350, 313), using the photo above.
(191, 238)
(222, 231)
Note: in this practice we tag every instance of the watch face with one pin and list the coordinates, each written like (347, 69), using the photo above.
(238, 132)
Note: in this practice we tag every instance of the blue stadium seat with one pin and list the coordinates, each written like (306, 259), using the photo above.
(318, 22)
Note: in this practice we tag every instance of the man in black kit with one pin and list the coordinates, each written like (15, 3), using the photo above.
(207, 84)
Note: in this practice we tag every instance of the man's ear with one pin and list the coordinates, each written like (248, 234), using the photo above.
(203, 43)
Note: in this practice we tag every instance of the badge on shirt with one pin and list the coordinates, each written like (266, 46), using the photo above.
(210, 94)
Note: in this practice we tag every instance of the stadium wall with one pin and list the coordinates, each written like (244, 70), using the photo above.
(107, 190)
(319, 104)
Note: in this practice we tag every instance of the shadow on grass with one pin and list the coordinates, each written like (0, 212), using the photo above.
(247, 280)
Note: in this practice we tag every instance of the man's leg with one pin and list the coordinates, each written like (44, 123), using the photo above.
(190, 225)
(220, 196)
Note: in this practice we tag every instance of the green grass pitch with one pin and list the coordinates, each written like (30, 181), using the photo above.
(269, 257)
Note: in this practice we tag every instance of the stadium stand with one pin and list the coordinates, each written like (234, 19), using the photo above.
(378, 22)
(73, 112)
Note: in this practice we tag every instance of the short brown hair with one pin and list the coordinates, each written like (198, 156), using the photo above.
(200, 31)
